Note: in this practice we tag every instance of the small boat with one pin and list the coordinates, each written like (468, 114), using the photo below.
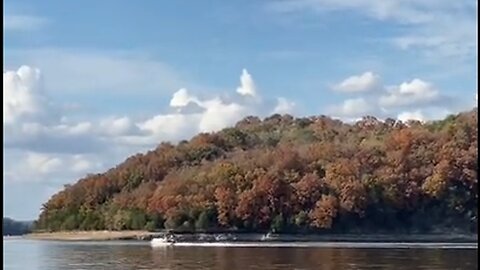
(266, 237)
(167, 240)
(220, 238)
(161, 242)
(225, 237)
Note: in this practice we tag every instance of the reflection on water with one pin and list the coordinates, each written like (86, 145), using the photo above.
(24, 254)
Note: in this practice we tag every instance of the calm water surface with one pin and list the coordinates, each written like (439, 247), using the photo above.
(28, 254)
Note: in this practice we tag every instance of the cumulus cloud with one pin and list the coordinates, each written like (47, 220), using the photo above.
(416, 99)
(166, 127)
(356, 107)
(219, 115)
(415, 92)
(284, 106)
(416, 115)
(49, 144)
(209, 114)
(182, 98)
(247, 87)
(424, 115)
(365, 82)
(22, 95)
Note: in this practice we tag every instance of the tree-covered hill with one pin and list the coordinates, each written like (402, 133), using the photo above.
(288, 174)
(12, 227)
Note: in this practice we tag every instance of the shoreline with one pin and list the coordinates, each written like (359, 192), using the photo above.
(92, 235)
(198, 237)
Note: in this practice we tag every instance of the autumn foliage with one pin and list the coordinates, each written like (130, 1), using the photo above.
(288, 174)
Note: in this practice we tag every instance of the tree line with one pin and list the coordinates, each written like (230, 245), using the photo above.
(13, 227)
(286, 174)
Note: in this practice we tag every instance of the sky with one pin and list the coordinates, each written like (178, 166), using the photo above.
(88, 83)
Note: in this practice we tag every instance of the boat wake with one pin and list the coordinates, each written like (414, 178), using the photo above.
(371, 245)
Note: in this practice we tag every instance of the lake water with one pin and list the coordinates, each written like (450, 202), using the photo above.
(24, 254)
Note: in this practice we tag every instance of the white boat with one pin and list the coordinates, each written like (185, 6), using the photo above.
(266, 237)
(162, 241)
(220, 238)
(225, 237)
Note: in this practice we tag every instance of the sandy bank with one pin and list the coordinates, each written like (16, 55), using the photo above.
(209, 237)
(92, 235)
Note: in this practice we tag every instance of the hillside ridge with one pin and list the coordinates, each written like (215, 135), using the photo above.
(286, 174)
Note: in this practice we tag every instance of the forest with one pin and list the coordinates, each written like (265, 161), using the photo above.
(288, 175)
(13, 227)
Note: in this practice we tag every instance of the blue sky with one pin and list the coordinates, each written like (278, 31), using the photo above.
(89, 83)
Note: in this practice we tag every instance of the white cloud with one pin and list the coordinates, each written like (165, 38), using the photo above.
(365, 82)
(415, 99)
(182, 98)
(356, 107)
(247, 86)
(77, 129)
(28, 166)
(117, 126)
(167, 127)
(401, 11)
(450, 36)
(424, 115)
(23, 22)
(416, 115)
(22, 95)
(284, 106)
(93, 72)
(440, 28)
(80, 164)
(413, 93)
(220, 115)
(61, 148)
(43, 163)
(211, 114)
